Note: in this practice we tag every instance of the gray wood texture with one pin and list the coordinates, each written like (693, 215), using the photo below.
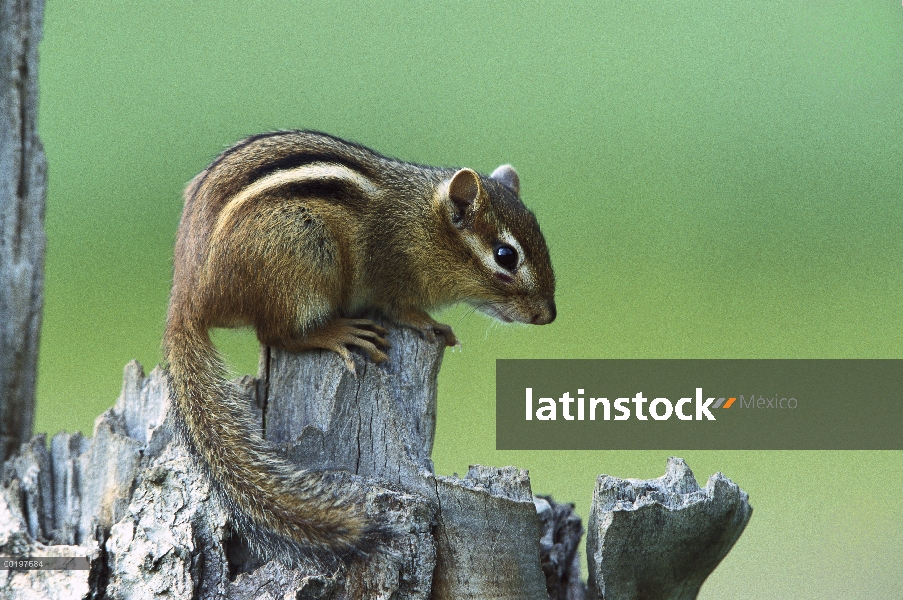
(380, 425)
(134, 501)
(22, 189)
(661, 538)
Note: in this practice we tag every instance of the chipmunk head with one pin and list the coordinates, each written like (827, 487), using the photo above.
(504, 242)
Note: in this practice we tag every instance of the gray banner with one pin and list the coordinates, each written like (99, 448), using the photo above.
(750, 404)
(44, 563)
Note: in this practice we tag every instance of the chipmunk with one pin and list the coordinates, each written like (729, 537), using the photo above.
(296, 234)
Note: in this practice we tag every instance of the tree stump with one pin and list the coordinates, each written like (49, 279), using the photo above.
(133, 500)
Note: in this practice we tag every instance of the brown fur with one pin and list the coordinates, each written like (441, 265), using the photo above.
(297, 233)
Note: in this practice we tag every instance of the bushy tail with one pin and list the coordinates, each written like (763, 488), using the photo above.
(283, 511)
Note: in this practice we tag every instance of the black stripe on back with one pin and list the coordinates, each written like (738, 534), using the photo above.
(341, 191)
(308, 158)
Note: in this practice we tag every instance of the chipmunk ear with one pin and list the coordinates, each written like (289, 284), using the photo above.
(464, 189)
(507, 176)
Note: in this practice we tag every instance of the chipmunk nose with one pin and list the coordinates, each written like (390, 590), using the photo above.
(545, 316)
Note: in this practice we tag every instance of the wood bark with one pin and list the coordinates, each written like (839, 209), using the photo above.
(22, 189)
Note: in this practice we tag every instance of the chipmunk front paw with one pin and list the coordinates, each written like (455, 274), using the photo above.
(429, 327)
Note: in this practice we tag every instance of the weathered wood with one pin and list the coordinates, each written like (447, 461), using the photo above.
(488, 537)
(561, 534)
(134, 500)
(661, 538)
(24, 517)
(22, 189)
(380, 424)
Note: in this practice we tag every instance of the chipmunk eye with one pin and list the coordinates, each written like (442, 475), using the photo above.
(505, 256)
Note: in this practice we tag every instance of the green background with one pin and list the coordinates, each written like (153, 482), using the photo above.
(714, 180)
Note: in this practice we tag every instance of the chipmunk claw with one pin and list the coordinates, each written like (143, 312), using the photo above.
(446, 332)
(429, 334)
(427, 327)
